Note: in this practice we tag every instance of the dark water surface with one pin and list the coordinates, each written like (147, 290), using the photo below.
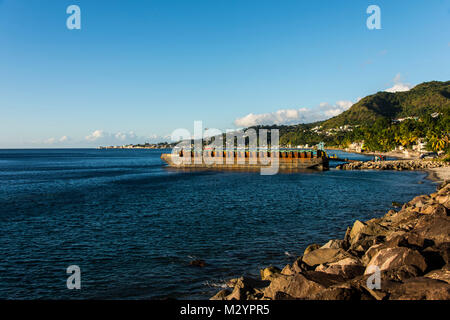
(133, 226)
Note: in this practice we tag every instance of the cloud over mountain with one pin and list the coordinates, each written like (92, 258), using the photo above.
(294, 116)
(399, 86)
(119, 138)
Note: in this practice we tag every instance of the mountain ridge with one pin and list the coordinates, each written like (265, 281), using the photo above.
(427, 97)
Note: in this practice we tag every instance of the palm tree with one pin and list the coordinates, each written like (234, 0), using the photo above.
(439, 142)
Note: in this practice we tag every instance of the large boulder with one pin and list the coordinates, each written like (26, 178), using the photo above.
(311, 248)
(434, 227)
(321, 256)
(245, 288)
(437, 256)
(299, 266)
(371, 252)
(300, 285)
(288, 270)
(405, 219)
(348, 268)
(401, 273)
(221, 295)
(391, 258)
(269, 273)
(363, 235)
(357, 228)
(338, 292)
(296, 286)
(410, 240)
(419, 201)
(441, 274)
(419, 288)
(443, 199)
(435, 209)
(375, 228)
(333, 244)
(363, 242)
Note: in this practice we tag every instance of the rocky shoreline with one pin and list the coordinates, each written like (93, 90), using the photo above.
(392, 165)
(437, 170)
(402, 256)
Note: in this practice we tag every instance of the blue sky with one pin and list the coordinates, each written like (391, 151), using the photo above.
(137, 70)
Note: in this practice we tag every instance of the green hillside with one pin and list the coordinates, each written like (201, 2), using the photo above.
(424, 98)
(371, 118)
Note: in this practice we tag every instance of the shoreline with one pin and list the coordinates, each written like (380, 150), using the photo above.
(436, 171)
(392, 154)
(411, 248)
(434, 174)
(438, 174)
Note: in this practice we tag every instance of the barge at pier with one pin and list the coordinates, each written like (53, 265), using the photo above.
(289, 159)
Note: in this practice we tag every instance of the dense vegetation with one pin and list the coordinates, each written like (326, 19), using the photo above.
(383, 135)
(423, 99)
(382, 122)
(372, 120)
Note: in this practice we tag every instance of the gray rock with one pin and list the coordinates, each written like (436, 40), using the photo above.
(391, 258)
(434, 227)
(300, 286)
(333, 244)
(221, 295)
(321, 256)
(420, 288)
(442, 275)
(269, 273)
(311, 248)
(348, 268)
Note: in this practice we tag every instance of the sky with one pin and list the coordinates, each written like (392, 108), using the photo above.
(138, 70)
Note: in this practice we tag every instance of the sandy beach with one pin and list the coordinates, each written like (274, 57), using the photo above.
(436, 174)
(411, 155)
(439, 174)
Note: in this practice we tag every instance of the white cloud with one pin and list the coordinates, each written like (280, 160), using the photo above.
(122, 136)
(50, 141)
(96, 135)
(283, 116)
(56, 141)
(399, 86)
(100, 137)
(294, 116)
(332, 111)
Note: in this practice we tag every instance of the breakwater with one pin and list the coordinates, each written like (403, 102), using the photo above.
(392, 165)
(409, 250)
(245, 160)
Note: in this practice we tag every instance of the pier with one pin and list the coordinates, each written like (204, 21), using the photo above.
(287, 159)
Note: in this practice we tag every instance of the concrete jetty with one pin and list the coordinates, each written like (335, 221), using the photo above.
(247, 160)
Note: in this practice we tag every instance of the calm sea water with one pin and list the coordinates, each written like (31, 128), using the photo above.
(133, 226)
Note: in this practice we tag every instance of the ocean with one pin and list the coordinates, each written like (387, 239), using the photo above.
(133, 225)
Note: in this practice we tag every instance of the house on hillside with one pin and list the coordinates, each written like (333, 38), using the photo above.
(403, 119)
(355, 146)
(420, 145)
